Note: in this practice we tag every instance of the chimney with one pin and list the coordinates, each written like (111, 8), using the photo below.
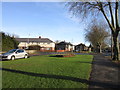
(39, 36)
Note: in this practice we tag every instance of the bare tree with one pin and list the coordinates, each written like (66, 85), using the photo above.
(57, 41)
(96, 35)
(108, 41)
(110, 12)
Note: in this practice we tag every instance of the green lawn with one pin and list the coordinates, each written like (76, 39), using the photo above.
(47, 72)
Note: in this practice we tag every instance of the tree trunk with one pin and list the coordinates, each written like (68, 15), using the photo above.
(116, 55)
(111, 46)
(100, 50)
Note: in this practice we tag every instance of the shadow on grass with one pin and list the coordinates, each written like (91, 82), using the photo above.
(75, 79)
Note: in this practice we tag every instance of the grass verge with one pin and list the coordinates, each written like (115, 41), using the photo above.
(47, 72)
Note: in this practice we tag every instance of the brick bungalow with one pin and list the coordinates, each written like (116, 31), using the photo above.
(64, 46)
(81, 47)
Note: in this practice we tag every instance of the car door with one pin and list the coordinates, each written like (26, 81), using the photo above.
(20, 54)
(17, 54)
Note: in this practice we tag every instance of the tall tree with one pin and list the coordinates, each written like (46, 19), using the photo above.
(96, 35)
(8, 42)
(110, 12)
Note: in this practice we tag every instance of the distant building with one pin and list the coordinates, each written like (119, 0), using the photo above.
(64, 46)
(90, 48)
(44, 44)
(81, 47)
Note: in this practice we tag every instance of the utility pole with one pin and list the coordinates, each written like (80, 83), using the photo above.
(72, 45)
(28, 42)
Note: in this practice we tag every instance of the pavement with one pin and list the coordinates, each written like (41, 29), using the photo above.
(105, 73)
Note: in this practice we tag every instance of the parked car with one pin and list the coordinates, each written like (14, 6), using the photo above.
(15, 54)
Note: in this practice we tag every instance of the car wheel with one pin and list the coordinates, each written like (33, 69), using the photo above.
(26, 56)
(13, 58)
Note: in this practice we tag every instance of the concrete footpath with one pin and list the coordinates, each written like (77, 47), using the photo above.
(105, 74)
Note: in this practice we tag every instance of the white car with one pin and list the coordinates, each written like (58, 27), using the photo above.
(15, 54)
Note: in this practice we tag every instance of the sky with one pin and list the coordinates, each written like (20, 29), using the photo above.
(119, 13)
(46, 19)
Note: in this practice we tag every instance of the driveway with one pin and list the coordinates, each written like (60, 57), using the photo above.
(105, 73)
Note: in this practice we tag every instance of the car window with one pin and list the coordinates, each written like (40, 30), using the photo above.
(20, 51)
(11, 51)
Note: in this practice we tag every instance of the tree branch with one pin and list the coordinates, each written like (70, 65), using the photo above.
(103, 12)
(116, 15)
(111, 13)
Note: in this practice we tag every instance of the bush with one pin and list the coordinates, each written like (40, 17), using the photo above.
(8, 42)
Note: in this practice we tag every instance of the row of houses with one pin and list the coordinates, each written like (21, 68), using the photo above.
(45, 44)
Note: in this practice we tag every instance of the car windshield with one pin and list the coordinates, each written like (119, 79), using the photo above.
(11, 51)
